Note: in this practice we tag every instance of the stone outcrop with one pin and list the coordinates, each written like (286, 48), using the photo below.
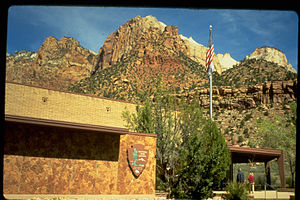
(226, 61)
(197, 52)
(272, 55)
(249, 97)
(140, 36)
(65, 53)
(19, 65)
(57, 64)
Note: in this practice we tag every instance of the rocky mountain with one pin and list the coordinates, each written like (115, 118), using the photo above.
(143, 49)
(19, 66)
(148, 35)
(148, 47)
(136, 54)
(252, 72)
(145, 37)
(197, 52)
(272, 55)
(57, 64)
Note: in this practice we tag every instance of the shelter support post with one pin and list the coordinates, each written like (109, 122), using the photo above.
(280, 162)
(268, 172)
(230, 172)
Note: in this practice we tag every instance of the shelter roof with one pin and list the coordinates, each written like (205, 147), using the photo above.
(246, 154)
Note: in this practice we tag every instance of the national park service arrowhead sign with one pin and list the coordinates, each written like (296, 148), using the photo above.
(137, 157)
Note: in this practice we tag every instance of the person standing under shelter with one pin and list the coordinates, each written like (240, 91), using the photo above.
(240, 176)
(251, 182)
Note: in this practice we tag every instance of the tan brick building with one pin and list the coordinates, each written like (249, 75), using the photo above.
(59, 143)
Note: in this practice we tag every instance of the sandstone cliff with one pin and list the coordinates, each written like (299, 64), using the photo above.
(273, 55)
(57, 64)
(226, 61)
(148, 36)
(143, 37)
(237, 110)
(197, 52)
(248, 97)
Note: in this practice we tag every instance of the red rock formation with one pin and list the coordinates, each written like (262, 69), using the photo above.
(273, 55)
(140, 36)
(57, 64)
(247, 97)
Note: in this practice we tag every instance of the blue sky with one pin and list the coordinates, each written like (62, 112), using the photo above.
(238, 32)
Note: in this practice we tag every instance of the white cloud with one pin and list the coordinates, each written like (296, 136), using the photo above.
(75, 22)
(258, 22)
(263, 23)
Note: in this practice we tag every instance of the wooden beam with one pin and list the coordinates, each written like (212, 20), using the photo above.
(280, 162)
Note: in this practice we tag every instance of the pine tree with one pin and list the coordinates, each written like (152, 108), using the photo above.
(192, 155)
(203, 164)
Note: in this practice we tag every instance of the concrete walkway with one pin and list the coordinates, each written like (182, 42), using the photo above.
(260, 195)
(271, 194)
(80, 197)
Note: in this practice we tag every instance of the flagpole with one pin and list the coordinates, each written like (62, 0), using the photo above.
(210, 94)
(210, 83)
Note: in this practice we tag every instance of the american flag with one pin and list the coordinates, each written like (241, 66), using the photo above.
(210, 53)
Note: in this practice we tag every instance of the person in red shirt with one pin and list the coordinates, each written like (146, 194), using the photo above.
(251, 182)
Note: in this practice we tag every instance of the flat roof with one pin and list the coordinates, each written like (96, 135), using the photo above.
(246, 154)
(73, 125)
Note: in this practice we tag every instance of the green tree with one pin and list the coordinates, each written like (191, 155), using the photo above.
(192, 156)
(141, 122)
(280, 133)
(159, 116)
(203, 163)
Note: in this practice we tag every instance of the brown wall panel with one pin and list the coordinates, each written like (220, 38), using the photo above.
(83, 177)
(12, 173)
(106, 177)
(59, 179)
(48, 160)
(127, 182)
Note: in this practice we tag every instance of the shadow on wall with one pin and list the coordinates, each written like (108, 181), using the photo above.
(56, 142)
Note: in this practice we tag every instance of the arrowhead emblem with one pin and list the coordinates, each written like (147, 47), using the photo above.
(137, 157)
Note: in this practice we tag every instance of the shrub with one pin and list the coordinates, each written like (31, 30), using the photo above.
(236, 191)
(246, 132)
(226, 131)
(240, 139)
(248, 116)
(242, 123)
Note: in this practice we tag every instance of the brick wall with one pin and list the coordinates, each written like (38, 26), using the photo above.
(43, 103)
